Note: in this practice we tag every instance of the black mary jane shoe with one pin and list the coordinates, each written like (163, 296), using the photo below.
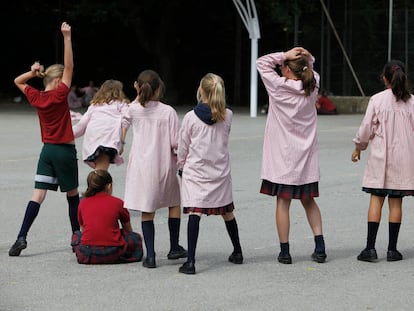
(369, 255)
(318, 257)
(149, 262)
(236, 258)
(284, 258)
(394, 256)
(187, 268)
(176, 254)
(18, 246)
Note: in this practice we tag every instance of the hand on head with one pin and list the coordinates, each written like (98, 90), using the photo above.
(37, 69)
(296, 53)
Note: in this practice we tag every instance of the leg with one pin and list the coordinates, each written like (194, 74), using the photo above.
(395, 217)
(32, 210)
(193, 228)
(148, 231)
(102, 162)
(283, 227)
(313, 215)
(174, 220)
(72, 197)
(233, 231)
(374, 218)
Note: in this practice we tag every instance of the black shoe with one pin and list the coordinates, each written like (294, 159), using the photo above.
(284, 258)
(236, 258)
(368, 255)
(318, 257)
(187, 268)
(179, 253)
(18, 246)
(394, 256)
(149, 262)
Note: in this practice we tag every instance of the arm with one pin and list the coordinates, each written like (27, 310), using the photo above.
(68, 54)
(183, 143)
(21, 81)
(126, 226)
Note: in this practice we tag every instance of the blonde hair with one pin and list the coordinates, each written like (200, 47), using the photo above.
(213, 87)
(52, 72)
(109, 91)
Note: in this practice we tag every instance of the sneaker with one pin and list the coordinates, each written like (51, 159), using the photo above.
(187, 268)
(318, 257)
(284, 258)
(369, 255)
(18, 246)
(236, 258)
(394, 256)
(179, 253)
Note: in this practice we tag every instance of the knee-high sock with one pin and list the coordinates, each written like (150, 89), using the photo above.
(372, 234)
(319, 244)
(394, 229)
(32, 210)
(192, 236)
(148, 232)
(174, 227)
(233, 232)
(73, 202)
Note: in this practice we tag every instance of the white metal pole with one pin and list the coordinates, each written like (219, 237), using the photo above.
(390, 29)
(253, 79)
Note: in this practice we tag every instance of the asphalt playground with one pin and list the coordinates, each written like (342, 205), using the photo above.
(46, 276)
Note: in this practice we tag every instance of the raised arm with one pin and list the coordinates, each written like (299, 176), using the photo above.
(68, 54)
(21, 81)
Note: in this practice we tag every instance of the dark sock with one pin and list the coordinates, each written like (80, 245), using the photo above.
(192, 236)
(284, 248)
(319, 244)
(73, 202)
(233, 232)
(174, 227)
(32, 210)
(394, 229)
(372, 234)
(148, 232)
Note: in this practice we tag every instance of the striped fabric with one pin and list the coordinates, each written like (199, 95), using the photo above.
(306, 191)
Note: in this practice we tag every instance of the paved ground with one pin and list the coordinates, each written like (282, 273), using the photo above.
(47, 277)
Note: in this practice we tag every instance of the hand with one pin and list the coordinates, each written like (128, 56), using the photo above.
(37, 69)
(65, 28)
(293, 54)
(356, 155)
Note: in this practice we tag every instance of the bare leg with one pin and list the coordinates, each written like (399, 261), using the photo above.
(282, 219)
(102, 162)
(314, 215)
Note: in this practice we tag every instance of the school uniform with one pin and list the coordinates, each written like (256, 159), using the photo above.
(151, 177)
(388, 126)
(290, 148)
(203, 156)
(101, 127)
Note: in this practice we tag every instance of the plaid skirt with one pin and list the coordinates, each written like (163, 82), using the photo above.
(222, 210)
(391, 193)
(130, 252)
(306, 191)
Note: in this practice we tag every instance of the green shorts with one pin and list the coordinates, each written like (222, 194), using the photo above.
(57, 167)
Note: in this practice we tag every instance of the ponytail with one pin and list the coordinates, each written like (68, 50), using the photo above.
(300, 69)
(394, 73)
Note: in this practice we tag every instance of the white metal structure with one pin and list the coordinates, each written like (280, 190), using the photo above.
(248, 14)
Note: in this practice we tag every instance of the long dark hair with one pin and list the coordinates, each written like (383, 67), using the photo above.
(97, 181)
(394, 72)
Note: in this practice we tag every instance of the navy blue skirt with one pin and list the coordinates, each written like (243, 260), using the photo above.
(111, 152)
(306, 191)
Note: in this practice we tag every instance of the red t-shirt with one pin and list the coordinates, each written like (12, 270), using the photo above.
(53, 111)
(99, 215)
(326, 104)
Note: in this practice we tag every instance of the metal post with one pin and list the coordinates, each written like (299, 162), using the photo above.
(248, 14)
(390, 29)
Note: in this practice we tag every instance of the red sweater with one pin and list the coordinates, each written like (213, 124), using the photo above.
(53, 111)
(99, 215)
